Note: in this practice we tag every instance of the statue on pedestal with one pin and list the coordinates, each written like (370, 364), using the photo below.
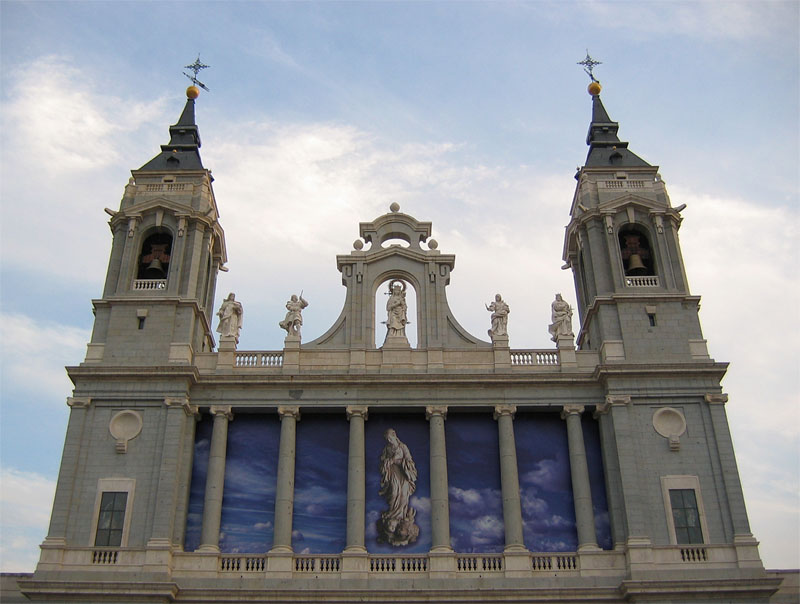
(396, 309)
(230, 317)
(294, 315)
(561, 317)
(500, 312)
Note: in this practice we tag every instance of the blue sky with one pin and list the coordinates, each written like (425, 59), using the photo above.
(470, 115)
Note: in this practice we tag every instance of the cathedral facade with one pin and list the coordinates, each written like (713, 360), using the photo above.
(455, 470)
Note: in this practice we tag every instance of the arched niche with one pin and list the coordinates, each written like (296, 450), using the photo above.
(387, 311)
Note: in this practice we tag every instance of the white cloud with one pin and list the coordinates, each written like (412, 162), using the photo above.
(703, 19)
(57, 114)
(33, 355)
(25, 503)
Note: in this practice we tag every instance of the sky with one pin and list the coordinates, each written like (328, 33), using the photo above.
(471, 115)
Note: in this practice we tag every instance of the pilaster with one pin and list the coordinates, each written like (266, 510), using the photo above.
(284, 496)
(356, 476)
(579, 470)
(509, 478)
(215, 480)
(440, 505)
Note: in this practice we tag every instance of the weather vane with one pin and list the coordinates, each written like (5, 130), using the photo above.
(196, 67)
(588, 65)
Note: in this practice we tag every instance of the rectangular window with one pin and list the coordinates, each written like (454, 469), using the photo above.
(685, 516)
(111, 520)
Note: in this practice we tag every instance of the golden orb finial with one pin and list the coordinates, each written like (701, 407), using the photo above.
(594, 88)
(192, 92)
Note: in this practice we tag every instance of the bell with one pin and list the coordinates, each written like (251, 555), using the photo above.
(636, 266)
(154, 270)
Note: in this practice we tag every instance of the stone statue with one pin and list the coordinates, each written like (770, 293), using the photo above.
(230, 317)
(396, 309)
(294, 315)
(561, 317)
(500, 312)
(398, 482)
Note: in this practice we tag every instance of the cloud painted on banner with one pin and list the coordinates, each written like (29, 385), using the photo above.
(548, 474)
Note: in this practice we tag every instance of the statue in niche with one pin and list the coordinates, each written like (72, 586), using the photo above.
(398, 482)
(396, 309)
(230, 317)
(500, 312)
(294, 315)
(561, 317)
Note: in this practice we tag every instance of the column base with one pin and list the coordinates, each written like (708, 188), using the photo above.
(355, 563)
(516, 561)
(280, 562)
(442, 561)
(208, 549)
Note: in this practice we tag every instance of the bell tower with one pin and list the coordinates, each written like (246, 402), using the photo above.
(622, 246)
(167, 250)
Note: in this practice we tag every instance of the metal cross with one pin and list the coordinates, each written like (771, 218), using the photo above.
(588, 65)
(196, 67)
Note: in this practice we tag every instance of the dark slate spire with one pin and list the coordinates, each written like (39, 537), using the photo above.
(182, 152)
(605, 148)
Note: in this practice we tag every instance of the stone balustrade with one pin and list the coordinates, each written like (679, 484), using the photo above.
(149, 284)
(648, 281)
(520, 358)
(222, 565)
(625, 184)
(165, 187)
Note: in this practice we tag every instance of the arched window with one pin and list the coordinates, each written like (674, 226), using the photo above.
(155, 256)
(637, 258)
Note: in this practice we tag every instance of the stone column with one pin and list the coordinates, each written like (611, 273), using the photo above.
(579, 469)
(356, 476)
(509, 478)
(215, 480)
(440, 506)
(284, 496)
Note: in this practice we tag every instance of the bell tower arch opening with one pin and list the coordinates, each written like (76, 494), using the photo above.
(637, 257)
(155, 254)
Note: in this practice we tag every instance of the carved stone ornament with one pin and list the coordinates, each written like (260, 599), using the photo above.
(124, 426)
(671, 424)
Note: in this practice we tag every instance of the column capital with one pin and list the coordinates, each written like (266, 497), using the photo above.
(716, 399)
(289, 411)
(181, 402)
(568, 410)
(432, 410)
(222, 410)
(78, 402)
(618, 399)
(501, 410)
(357, 411)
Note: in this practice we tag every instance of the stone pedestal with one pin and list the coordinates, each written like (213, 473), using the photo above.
(396, 343)
(355, 563)
(226, 355)
(291, 354)
(502, 353)
(567, 358)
